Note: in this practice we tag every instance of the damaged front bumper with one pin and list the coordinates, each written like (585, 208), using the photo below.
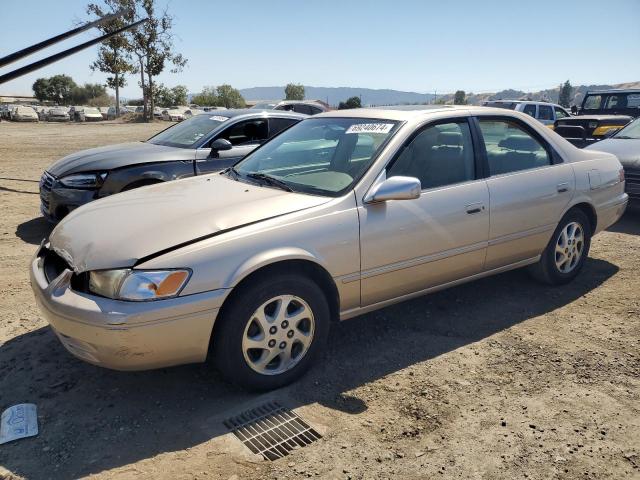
(125, 335)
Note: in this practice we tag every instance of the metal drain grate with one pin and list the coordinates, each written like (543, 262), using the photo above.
(271, 430)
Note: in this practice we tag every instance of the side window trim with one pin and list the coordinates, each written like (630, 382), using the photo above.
(474, 140)
(551, 152)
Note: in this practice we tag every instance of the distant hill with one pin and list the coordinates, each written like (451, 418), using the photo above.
(335, 95)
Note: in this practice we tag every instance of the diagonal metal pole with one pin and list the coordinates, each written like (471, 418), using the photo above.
(58, 38)
(65, 53)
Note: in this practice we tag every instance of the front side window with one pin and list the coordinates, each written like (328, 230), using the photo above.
(439, 155)
(248, 132)
(530, 110)
(560, 113)
(188, 133)
(545, 112)
(324, 156)
(511, 148)
(592, 102)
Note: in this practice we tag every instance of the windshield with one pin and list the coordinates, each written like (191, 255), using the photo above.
(631, 131)
(186, 134)
(324, 156)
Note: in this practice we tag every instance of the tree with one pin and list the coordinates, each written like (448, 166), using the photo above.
(152, 44)
(114, 54)
(353, 102)
(41, 89)
(460, 98)
(167, 97)
(294, 91)
(565, 94)
(57, 89)
(82, 95)
(229, 97)
(179, 94)
(207, 97)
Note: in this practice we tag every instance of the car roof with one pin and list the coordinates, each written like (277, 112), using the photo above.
(397, 112)
(401, 113)
(614, 90)
(256, 112)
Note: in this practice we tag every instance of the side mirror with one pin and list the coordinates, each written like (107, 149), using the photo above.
(395, 188)
(219, 145)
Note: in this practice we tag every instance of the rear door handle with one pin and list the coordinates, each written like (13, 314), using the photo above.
(562, 187)
(474, 208)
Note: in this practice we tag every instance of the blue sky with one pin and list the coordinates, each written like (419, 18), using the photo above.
(401, 44)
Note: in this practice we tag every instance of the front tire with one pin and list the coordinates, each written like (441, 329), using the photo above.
(271, 332)
(566, 252)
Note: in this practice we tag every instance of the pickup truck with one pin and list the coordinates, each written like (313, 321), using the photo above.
(602, 113)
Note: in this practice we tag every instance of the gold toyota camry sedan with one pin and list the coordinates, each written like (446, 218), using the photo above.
(341, 214)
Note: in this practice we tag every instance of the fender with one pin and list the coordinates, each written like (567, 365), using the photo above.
(271, 257)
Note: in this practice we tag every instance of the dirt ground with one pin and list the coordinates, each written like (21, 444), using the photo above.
(498, 379)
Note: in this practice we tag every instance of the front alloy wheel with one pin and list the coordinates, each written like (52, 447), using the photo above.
(270, 330)
(278, 335)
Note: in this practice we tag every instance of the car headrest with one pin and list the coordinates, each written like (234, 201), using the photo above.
(519, 142)
(450, 139)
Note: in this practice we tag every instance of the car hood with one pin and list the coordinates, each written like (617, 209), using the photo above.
(115, 156)
(626, 149)
(117, 231)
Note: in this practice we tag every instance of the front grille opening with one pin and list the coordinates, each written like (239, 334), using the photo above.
(271, 431)
(53, 264)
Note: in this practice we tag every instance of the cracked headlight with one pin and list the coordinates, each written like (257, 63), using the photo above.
(138, 285)
(83, 180)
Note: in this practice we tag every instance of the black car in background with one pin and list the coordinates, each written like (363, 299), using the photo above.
(602, 113)
(202, 144)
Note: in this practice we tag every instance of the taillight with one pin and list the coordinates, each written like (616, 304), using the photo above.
(621, 175)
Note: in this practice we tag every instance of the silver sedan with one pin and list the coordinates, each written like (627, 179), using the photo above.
(344, 213)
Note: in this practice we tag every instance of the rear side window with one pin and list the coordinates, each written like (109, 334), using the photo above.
(616, 101)
(315, 110)
(530, 110)
(592, 102)
(633, 100)
(510, 148)
(545, 112)
(439, 155)
(276, 125)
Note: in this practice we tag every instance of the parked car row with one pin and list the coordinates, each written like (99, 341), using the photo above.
(249, 262)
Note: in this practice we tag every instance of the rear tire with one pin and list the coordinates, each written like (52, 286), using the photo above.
(566, 252)
(271, 331)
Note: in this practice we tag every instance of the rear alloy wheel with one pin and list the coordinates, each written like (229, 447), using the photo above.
(567, 250)
(271, 331)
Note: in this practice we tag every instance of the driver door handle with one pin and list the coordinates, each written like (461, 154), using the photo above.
(474, 208)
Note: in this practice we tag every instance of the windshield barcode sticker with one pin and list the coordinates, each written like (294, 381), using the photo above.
(219, 118)
(370, 128)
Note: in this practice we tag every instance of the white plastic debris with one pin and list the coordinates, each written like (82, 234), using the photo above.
(19, 421)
